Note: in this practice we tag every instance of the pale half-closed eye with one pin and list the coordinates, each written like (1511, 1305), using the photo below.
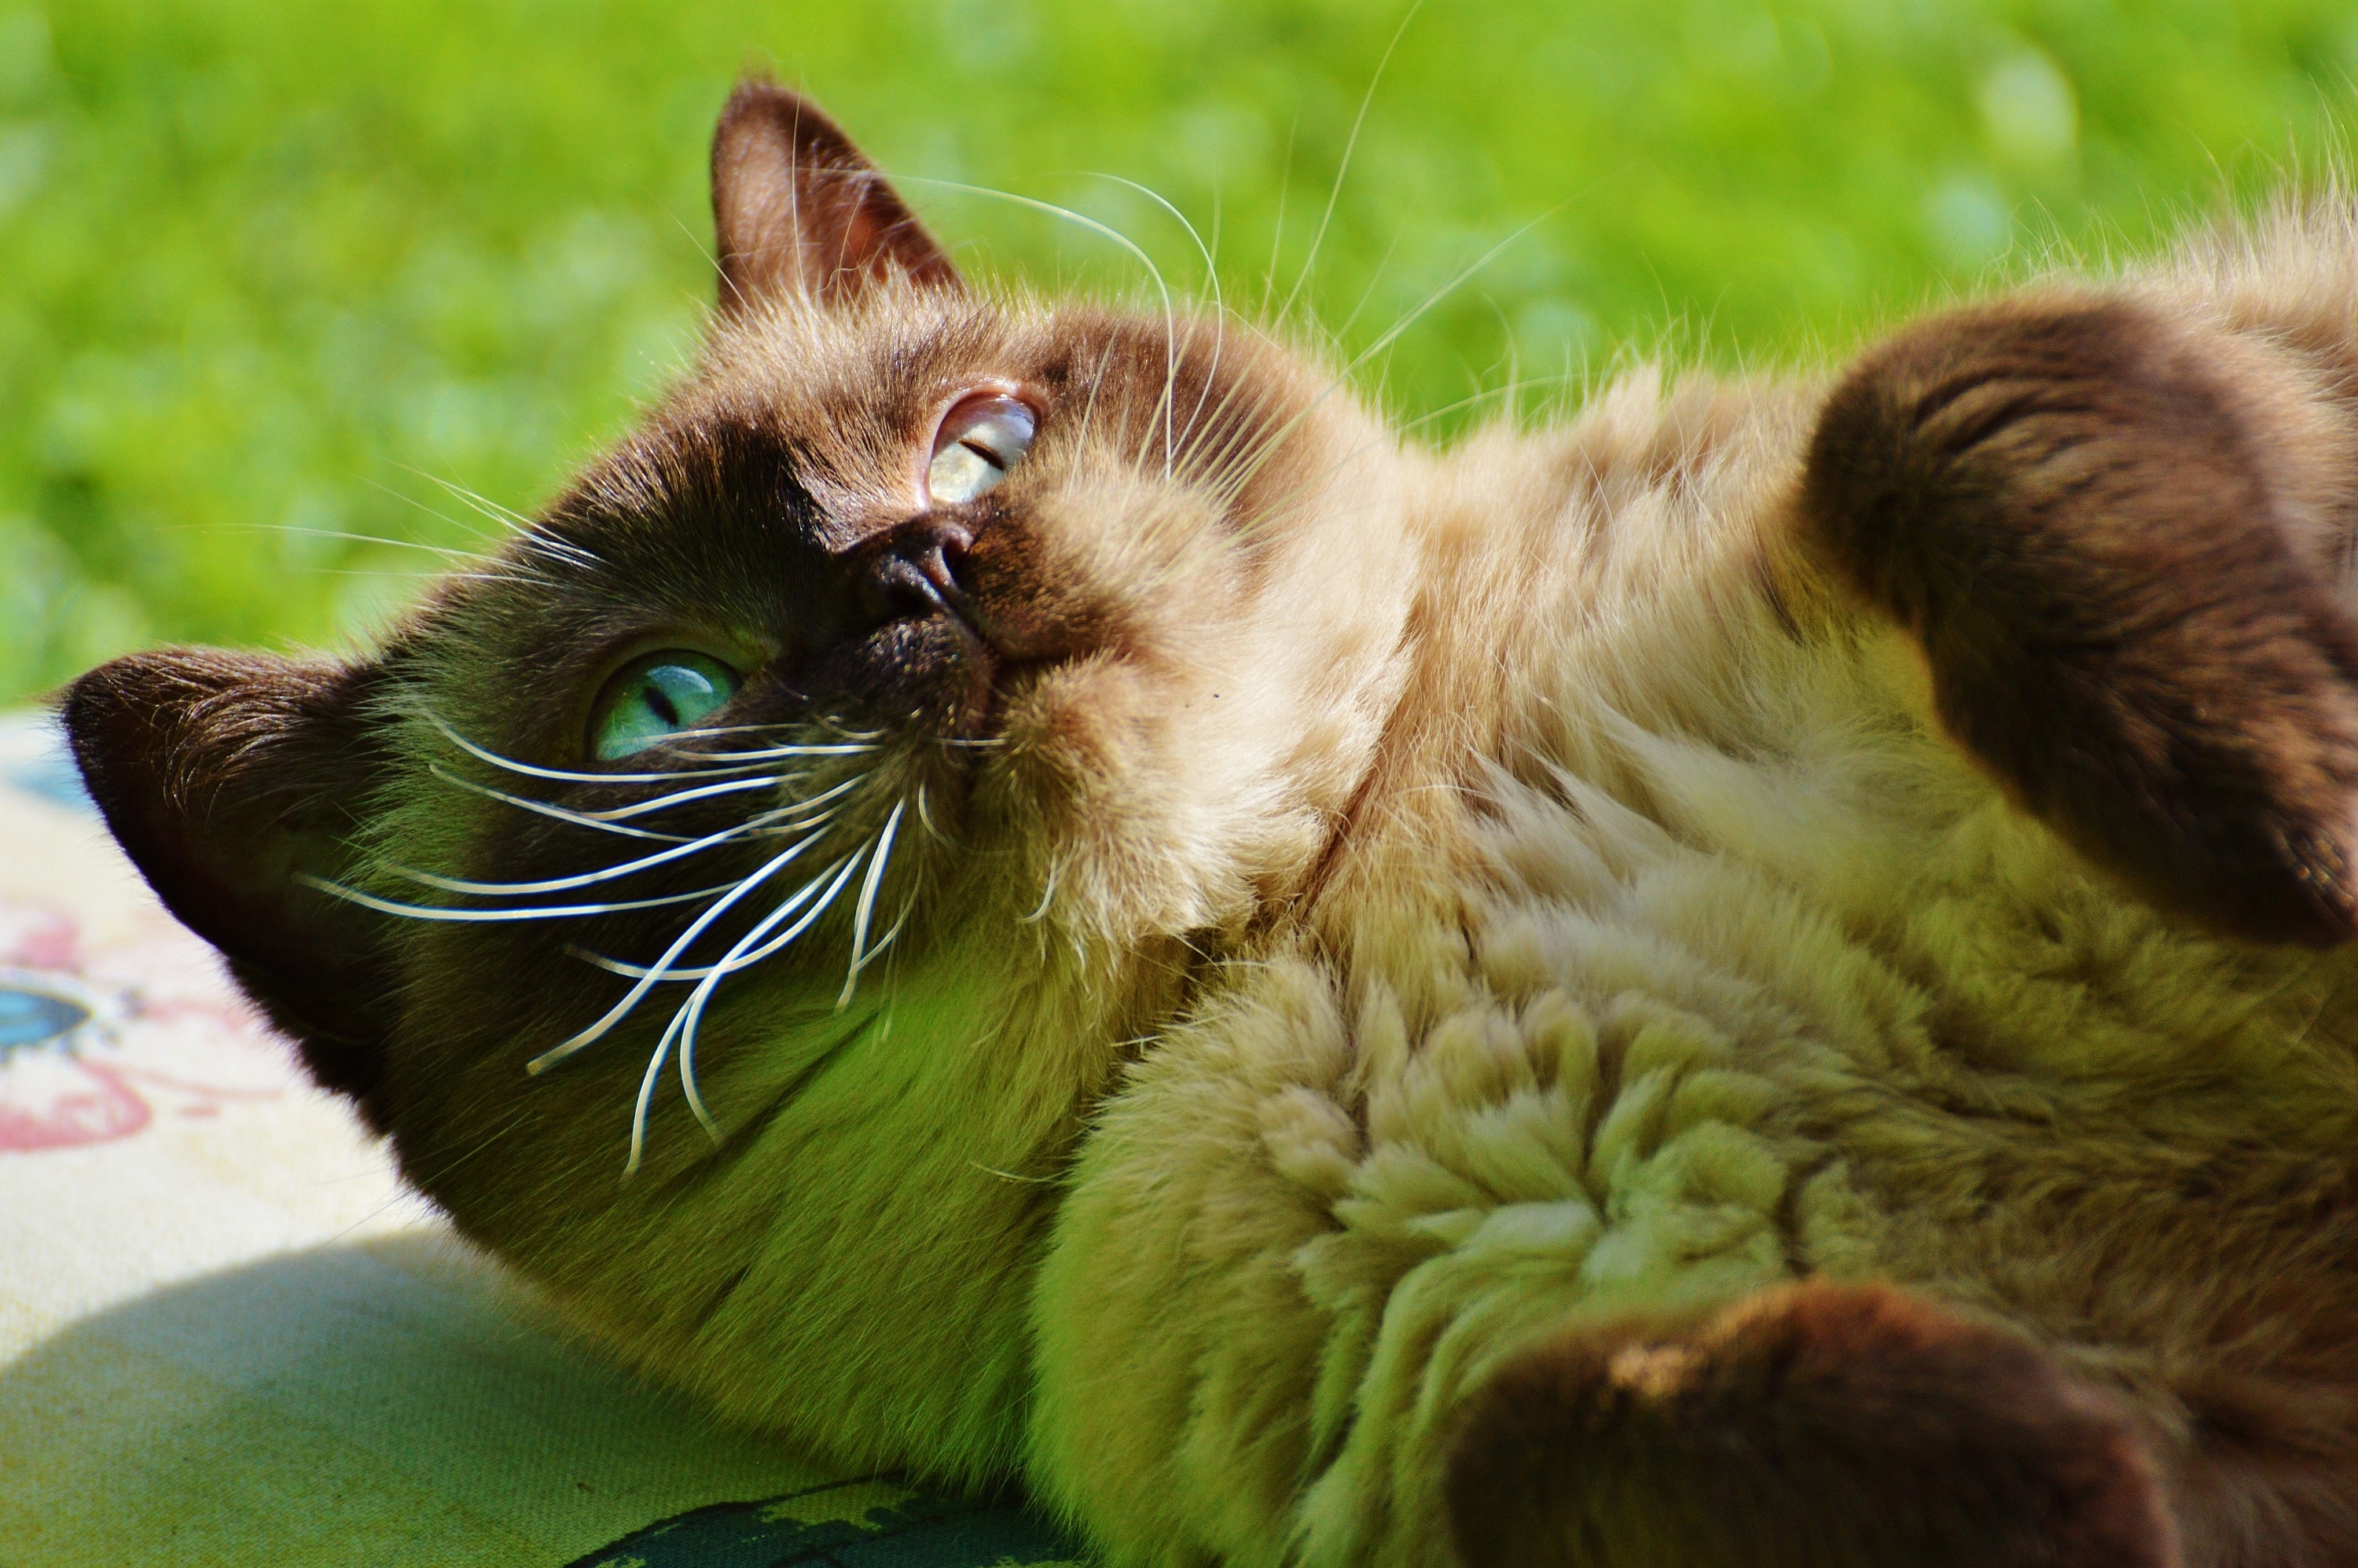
(978, 442)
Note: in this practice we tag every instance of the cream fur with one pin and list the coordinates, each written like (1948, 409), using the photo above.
(1456, 896)
(1671, 954)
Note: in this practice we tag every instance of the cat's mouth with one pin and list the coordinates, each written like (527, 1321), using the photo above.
(946, 676)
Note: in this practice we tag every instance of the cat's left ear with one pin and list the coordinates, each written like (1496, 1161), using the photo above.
(797, 208)
(234, 781)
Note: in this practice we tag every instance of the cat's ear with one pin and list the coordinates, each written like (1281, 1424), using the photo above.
(229, 779)
(797, 208)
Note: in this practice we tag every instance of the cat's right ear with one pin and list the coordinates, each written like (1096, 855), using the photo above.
(230, 779)
(797, 208)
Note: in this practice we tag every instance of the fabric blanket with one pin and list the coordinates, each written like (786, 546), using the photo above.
(228, 1335)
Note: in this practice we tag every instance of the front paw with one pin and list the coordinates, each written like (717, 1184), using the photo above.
(2104, 527)
(1814, 1426)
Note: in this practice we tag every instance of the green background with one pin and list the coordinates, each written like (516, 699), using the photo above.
(271, 273)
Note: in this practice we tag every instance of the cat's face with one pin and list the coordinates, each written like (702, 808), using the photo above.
(928, 665)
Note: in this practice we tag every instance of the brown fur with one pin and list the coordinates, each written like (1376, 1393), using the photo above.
(2097, 535)
(246, 752)
(1817, 1426)
(799, 208)
(1481, 999)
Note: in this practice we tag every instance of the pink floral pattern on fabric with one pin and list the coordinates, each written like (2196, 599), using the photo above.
(96, 1041)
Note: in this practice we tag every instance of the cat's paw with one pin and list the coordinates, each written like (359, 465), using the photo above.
(1814, 1426)
(2109, 533)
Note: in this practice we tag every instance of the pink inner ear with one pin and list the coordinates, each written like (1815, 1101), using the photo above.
(797, 207)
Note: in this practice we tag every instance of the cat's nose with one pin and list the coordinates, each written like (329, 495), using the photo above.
(913, 571)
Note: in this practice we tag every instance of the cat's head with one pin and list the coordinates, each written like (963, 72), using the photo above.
(932, 662)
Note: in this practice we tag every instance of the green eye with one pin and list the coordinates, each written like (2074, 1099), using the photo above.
(656, 698)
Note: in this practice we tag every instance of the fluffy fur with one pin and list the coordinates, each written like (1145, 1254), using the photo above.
(1755, 978)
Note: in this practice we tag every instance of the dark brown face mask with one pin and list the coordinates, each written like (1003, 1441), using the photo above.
(883, 527)
(238, 783)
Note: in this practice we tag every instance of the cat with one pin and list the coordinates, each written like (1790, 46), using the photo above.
(1018, 889)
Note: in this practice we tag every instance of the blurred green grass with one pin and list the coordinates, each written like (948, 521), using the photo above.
(273, 274)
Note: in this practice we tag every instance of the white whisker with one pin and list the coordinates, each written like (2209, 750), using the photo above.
(1047, 897)
(1270, 445)
(808, 723)
(737, 958)
(887, 940)
(1343, 168)
(1220, 319)
(445, 551)
(1170, 315)
(867, 904)
(545, 809)
(505, 516)
(681, 798)
(544, 912)
(729, 965)
(646, 806)
(647, 1097)
(579, 879)
(697, 928)
(562, 775)
(769, 754)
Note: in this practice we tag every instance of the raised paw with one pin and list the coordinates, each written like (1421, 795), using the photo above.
(1814, 1426)
(2115, 536)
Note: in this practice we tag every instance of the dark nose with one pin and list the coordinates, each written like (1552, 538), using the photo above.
(912, 571)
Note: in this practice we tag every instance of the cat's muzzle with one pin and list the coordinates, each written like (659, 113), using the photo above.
(926, 650)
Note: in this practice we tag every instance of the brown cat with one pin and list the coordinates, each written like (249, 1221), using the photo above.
(1759, 978)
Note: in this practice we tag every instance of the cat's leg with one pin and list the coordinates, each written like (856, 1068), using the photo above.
(2119, 529)
(1814, 1426)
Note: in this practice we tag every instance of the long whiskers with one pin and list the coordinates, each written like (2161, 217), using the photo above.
(734, 961)
(538, 912)
(771, 753)
(738, 957)
(550, 809)
(1170, 315)
(1244, 474)
(560, 775)
(684, 1020)
(1343, 166)
(867, 904)
(621, 1010)
(706, 792)
(1220, 319)
(589, 878)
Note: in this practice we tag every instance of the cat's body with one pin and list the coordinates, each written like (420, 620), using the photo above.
(1595, 998)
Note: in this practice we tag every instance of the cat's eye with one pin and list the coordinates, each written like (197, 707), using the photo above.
(978, 440)
(654, 699)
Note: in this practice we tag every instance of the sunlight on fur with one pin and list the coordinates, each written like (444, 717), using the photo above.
(1759, 976)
